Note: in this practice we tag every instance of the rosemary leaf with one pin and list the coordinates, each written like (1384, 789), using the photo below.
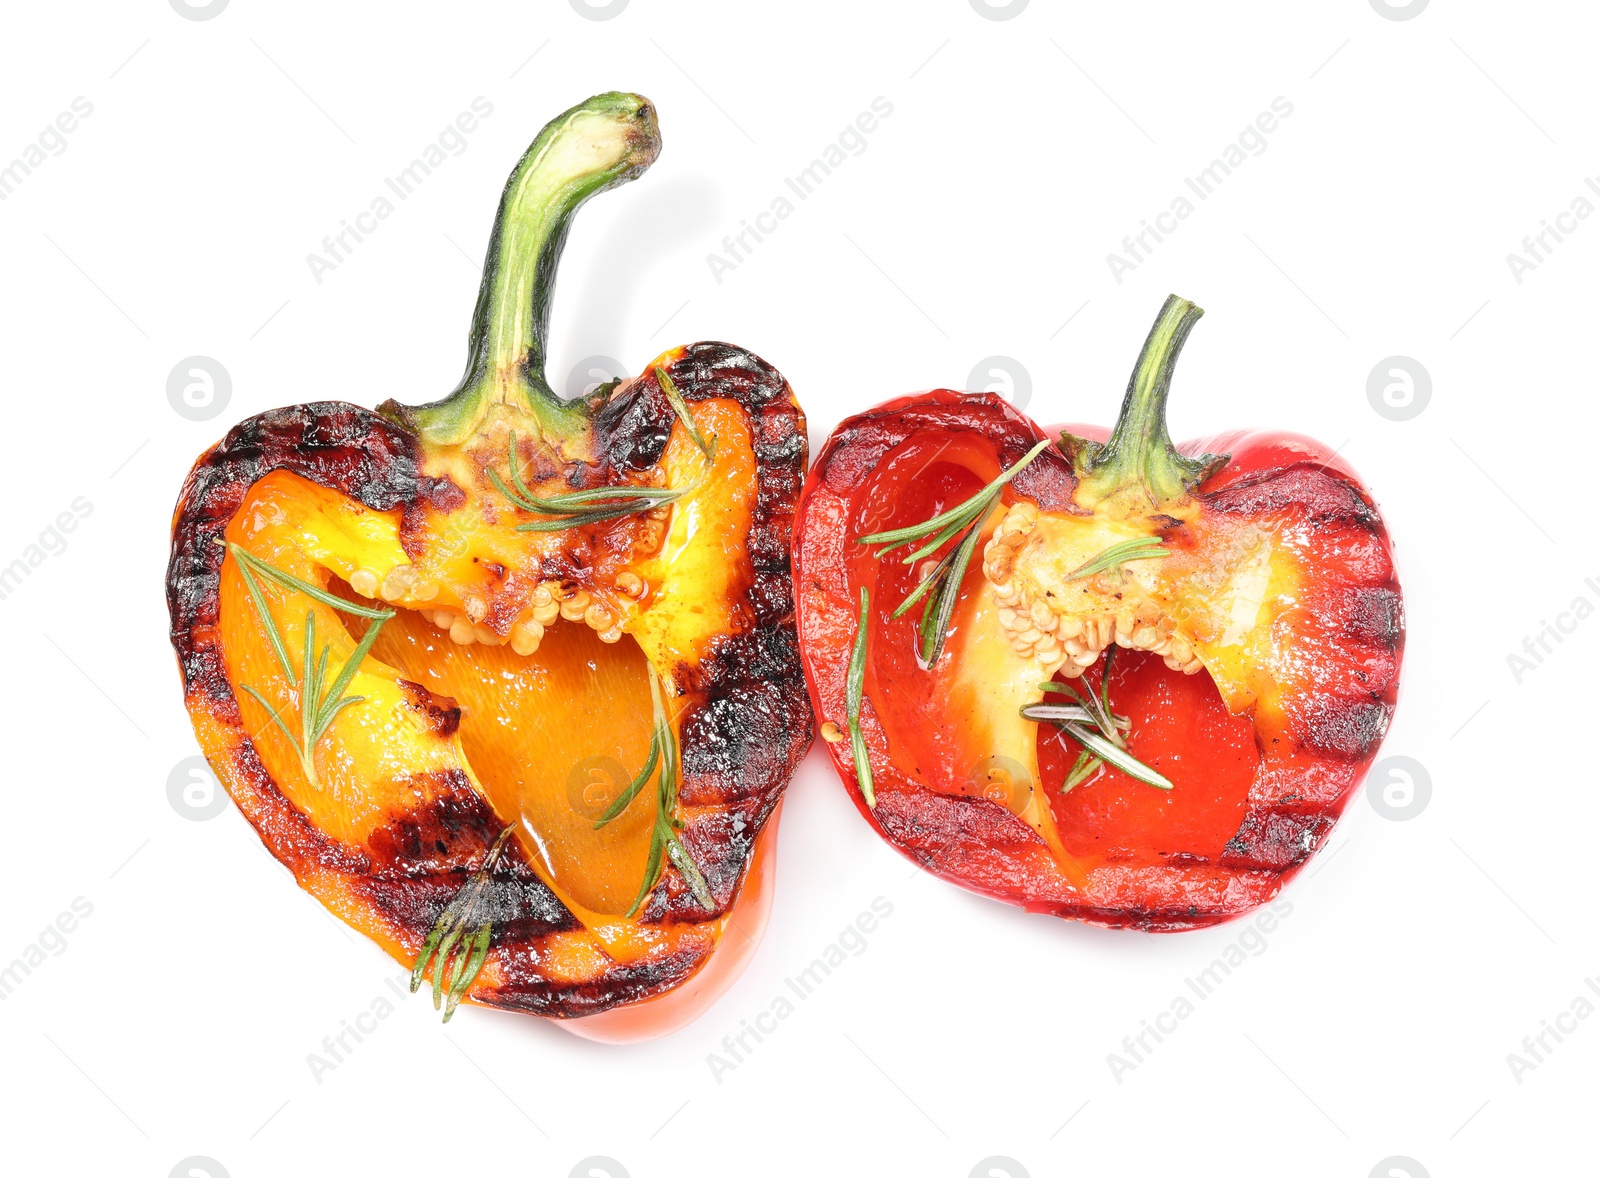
(516, 470)
(681, 408)
(936, 615)
(441, 963)
(576, 509)
(322, 673)
(610, 496)
(333, 709)
(1105, 746)
(274, 637)
(1088, 703)
(965, 509)
(625, 799)
(980, 509)
(578, 519)
(308, 697)
(458, 943)
(1102, 717)
(461, 980)
(277, 717)
(665, 846)
(507, 492)
(652, 875)
(854, 683)
(1085, 767)
(1059, 713)
(858, 755)
(290, 581)
(931, 581)
(944, 582)
(426, 953)
(1102, 748)
(679, 855)
(1141, 548)
(1117, 757)
(318, 706)
(1073, 689)
(666, 739)
(454, 988)
(347, 673)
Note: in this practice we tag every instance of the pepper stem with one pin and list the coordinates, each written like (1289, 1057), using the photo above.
(1139, 459)
(597, 145)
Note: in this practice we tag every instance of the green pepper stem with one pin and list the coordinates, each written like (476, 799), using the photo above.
(597, 145)
(1139, 457)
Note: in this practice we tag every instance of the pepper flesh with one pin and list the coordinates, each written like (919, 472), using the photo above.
(1277, 582)
(510, 688)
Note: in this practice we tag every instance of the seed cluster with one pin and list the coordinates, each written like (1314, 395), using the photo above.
(550, 600)
(1058, 638)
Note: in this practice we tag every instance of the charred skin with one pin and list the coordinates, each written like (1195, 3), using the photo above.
(483, 641)
(1312, 750)
(741, 738)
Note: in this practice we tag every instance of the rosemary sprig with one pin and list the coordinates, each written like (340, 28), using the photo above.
(575, 509)
(665, 845)
(1113, 755)
(681, 408)
(944, 580)
(251, 563)
(936, 577)
(1062, 713)
(1106, 746)
(961, 514)
(1100, 710)
(459, 933)
(320, 701)
(1140, 548)
(852, 695)
(936, 614)
(625, 798)
(1090, 707)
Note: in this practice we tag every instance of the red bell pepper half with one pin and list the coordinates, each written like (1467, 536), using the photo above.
(1096, 674)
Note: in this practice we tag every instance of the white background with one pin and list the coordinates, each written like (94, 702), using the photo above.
(1377, 1022)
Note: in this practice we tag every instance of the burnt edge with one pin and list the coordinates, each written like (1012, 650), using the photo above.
(752, 723)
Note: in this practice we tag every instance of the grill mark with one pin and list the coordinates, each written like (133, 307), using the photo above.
(1351, 729)
(517, 901)
(454, 829)
(526, 991)
(1376, 617)
(1276, 840)
(720, 843)
(1323, 496)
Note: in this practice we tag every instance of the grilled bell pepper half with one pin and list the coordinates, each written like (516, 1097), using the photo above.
(1242, 591)
(511, 683)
